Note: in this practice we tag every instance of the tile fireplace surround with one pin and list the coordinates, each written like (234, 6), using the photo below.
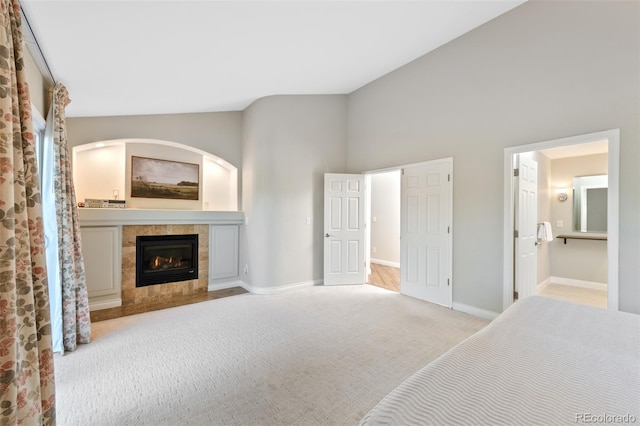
(126, 224)
(132, 295)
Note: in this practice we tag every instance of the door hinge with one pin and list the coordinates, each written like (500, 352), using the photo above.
(402, 172)
(448, 229)
(448, 178)
(448, 282)
(516, 172)
(515, 234)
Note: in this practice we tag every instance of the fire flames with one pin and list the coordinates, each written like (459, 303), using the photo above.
(159, 262)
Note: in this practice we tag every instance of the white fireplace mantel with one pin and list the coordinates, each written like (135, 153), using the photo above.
(113, 216)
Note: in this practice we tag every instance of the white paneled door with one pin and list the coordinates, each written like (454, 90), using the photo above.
(526, 263)
(425, 241)
(344, 229)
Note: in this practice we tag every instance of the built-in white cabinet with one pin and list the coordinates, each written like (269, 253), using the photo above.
(101, 247)
(223, 252)
(101, 231)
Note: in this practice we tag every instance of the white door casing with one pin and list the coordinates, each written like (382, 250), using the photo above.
(344, 228)
(426, 231)
(526, 217)
(612, 136)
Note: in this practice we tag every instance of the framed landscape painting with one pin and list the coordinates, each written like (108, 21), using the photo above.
(155, 178)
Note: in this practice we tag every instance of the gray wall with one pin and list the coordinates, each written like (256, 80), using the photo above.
(545, 70)
(289, 143)
(542, 71)
(385, 207)
(219, 133)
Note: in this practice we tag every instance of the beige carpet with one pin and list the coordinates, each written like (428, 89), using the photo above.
(316, 356)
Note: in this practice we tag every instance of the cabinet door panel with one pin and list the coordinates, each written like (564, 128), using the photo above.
(223, 252)
(101, 249)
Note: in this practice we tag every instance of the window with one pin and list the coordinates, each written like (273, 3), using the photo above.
(39, 125)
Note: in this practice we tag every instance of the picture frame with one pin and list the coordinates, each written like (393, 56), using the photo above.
(167, 179)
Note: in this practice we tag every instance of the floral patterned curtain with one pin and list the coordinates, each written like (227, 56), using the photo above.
(76, 322)
(26, 359)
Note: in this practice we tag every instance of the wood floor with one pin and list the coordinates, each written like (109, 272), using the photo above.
(574, 294)
(123, 311)
(385, 276)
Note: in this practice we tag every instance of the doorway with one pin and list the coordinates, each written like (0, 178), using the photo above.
(425, 229)
(384, 231)
(560, 213)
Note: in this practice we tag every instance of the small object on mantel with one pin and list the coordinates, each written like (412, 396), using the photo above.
(101, 204)
(566, 237)
(80, 204)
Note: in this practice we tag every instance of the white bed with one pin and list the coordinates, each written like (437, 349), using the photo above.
(542, 362)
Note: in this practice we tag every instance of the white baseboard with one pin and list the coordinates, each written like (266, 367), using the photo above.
(96, 306)
(279, 289)
(542, 285)
(472, 310)
(579, 283)
(385, 263)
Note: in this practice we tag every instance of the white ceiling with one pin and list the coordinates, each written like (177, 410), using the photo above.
(156, 57)
(589, 148)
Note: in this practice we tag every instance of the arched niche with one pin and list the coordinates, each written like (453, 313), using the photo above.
(102, 170)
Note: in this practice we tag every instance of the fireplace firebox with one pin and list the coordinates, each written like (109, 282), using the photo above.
(166, 258)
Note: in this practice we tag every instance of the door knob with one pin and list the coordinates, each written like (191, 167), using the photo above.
(327, 235)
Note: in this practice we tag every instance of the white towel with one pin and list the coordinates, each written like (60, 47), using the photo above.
(544, 232)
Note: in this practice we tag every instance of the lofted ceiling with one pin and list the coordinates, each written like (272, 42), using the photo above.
(159, 57)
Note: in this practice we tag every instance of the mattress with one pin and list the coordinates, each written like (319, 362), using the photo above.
(541, 362)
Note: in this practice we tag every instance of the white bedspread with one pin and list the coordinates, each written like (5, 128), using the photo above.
(542, 362)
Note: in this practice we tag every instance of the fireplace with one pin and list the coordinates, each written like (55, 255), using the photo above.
(166, 258)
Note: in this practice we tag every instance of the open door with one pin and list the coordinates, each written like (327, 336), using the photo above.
(526, 217)
(425, 241)
(344, 227)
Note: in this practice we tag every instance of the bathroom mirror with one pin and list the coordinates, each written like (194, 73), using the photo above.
(590, 203)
